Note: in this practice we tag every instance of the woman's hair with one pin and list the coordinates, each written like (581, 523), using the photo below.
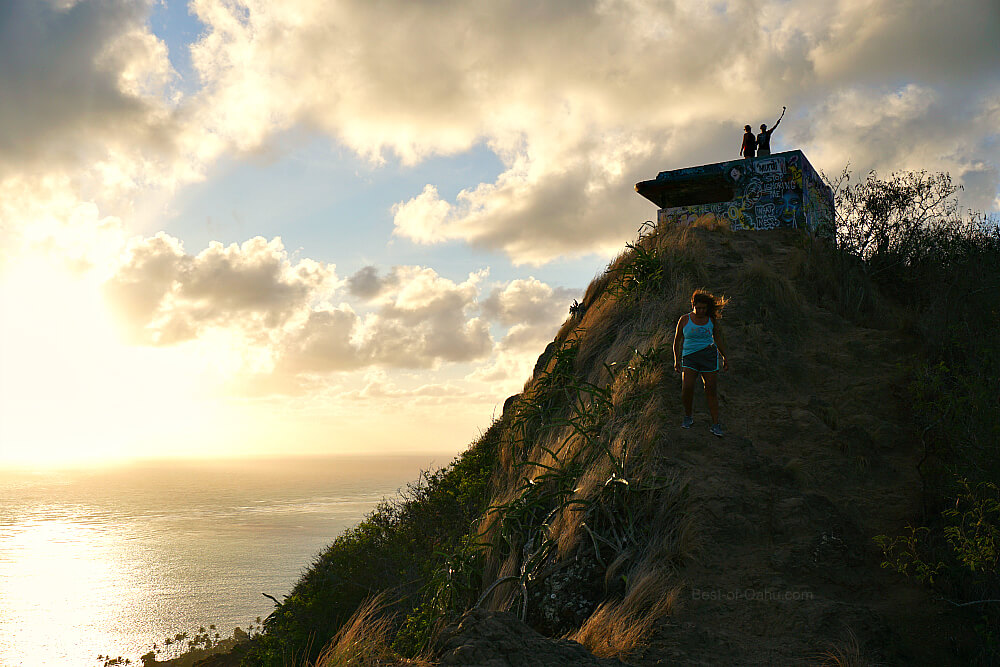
(715, 303)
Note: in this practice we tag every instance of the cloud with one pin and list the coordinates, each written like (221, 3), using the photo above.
(581, 100)
(427, 319)
(277, 317)
(378, 387)
(263, 300)
(532, 311)
(321, 344)
(164, 296)
(422, 321)
(527, 301)
(366, 283)
(78, 78)
(421, 219)
(86, 120)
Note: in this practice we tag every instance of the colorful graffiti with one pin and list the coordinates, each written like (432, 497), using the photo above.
(777, 191)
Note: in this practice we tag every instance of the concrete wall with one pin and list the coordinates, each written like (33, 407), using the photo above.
(780, 190)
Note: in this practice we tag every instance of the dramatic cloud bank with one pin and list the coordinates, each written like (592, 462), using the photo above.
(166, 296)
(579, 99)
(582, 99)
(254, 294)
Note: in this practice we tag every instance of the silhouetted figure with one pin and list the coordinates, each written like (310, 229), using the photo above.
(764, 138)
(749, 142)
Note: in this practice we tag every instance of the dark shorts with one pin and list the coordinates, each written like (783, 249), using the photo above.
(705, 360)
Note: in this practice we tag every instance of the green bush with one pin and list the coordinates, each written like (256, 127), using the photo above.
(396, 548)
(941, 274)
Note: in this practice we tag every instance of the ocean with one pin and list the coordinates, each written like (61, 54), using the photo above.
(110, 561)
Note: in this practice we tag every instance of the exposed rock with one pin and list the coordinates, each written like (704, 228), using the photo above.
(497, 639)
(509, 403)
(543, 359)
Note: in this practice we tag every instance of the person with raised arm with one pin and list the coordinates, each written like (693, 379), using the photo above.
(764, 138)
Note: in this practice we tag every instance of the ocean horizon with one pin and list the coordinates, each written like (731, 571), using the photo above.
(110, 561)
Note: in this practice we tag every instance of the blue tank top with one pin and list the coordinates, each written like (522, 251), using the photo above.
(697, 337)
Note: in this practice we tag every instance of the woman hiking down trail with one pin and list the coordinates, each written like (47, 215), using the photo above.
(698, 346)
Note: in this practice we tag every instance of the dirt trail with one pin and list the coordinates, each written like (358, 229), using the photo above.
(816, 461)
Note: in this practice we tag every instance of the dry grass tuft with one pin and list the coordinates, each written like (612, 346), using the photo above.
(771, 297)
(619, 627)
(615, 507)
(365, 640)
(847, 655)
(712, 223)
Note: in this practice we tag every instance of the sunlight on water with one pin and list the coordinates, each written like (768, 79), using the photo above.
(55, 573)
(111, 562)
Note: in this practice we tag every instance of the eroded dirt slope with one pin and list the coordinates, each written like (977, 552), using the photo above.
(817, 460)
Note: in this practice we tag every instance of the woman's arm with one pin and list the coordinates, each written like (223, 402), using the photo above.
(679, 342)
(720, 343)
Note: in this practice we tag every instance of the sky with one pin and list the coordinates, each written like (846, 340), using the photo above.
(247, 228)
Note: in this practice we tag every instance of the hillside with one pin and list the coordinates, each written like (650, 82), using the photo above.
(818, 457)
(588, 513)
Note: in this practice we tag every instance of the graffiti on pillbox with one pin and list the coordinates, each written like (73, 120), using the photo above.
(767, 192)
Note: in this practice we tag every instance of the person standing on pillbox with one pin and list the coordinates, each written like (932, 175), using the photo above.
(764, 138)
(749, 143)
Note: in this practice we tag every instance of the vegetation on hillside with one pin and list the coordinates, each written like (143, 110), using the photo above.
(940, 271)
(564, 512)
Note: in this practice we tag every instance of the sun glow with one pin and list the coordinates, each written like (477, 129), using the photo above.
(71, 391)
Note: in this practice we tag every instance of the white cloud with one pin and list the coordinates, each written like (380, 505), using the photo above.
(164, 296)
(283, 334)
(532, 311)
(528, 301)
(272, 306)
(85, 121)
(78, 79)
(323, 343)
(581, 100)
(426, 319)
(421, 219)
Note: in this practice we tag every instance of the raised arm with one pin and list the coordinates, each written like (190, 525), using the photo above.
(778, 122)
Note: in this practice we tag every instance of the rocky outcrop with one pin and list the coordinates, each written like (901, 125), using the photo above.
(499, 639)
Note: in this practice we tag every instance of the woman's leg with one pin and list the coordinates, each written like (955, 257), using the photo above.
(688, 378)
(711, 395)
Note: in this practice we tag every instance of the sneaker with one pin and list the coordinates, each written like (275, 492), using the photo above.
(688, 422)
(716, 429)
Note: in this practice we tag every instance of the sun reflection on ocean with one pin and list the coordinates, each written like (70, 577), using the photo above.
(58, 573)
(111, 561)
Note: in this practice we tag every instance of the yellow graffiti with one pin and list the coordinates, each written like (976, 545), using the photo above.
(796, 174)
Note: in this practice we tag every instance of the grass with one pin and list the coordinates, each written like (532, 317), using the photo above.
(400, 546)
(366, 639)
(771, 298)
(620, 627)
(578, 475)
(847, 654)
